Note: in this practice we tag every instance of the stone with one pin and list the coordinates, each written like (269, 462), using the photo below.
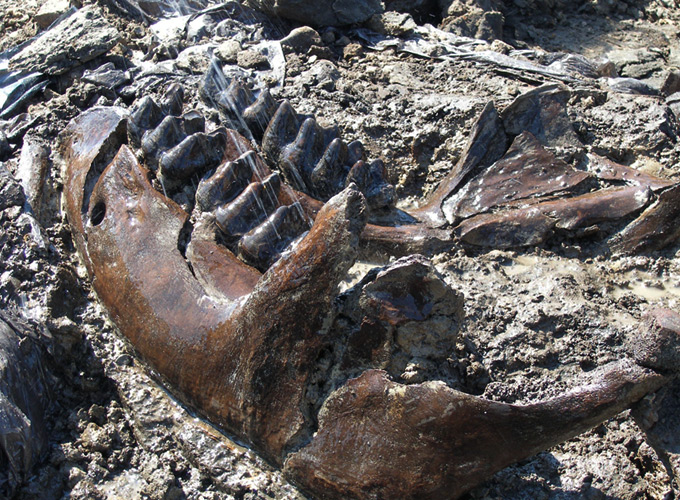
(227, 52)
(671, 83)
(107, 76)
(24, 398)
(252, 59)
(300, 40)
(320, 12)
(392, 23)
(50, 11)
(658, 347)
(472, 19)
(75, 40)
(323, 74)
(195, 59)
(11, 194)
(631, 86)
(32, 172)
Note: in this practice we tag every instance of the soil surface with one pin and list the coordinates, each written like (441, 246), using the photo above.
(535, 318)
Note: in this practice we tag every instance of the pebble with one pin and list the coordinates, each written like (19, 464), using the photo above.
(300, 40)
(251, 59)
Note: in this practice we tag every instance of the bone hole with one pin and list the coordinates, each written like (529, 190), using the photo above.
(98, 213)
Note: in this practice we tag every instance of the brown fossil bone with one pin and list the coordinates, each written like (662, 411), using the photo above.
(242, 346)
(246, 374)
(380, 439)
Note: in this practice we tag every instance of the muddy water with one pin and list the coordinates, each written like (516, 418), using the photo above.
(618, 278)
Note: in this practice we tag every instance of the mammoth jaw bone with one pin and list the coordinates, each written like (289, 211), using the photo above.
(242, 349)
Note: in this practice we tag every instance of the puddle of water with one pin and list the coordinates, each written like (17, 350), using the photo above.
(522, 264)
(646, 285)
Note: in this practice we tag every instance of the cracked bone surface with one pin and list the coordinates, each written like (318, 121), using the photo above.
(244, 347)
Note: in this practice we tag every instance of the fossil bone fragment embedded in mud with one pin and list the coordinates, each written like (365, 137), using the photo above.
(228, 289)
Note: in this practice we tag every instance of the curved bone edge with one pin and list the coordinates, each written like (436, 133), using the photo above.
(608, 170)
(543, 112)
(526, 170)
(532, 225)
(86, 146)
(487, 144)
(296, 294)
(243, 373)
(656, 228)
(380, 439)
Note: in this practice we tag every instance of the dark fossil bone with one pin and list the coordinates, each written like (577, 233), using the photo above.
(243, 346)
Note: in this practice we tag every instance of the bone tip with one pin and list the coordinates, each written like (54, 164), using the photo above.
(658, 344)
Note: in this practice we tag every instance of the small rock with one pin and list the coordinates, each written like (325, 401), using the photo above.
(11, 194)
(300, 40)
(228, 51)
(501, 47)
(343, 41)
(392, 23)
(323, 74)
(50, 11)
(194, 59)
(605, 68)
(658, 347)
(328, 37)
(321, 12)
(79, 38)
(671, 83)
(631, 86)
(252, 59)
(107, 76)
(353, 50)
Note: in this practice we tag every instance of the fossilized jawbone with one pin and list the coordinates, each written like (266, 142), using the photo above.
(243, 346)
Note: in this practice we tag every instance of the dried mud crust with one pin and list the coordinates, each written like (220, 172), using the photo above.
(533, 319)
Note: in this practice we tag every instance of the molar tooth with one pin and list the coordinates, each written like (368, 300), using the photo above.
(169, 133)
(355, 152)
(329, 174)
(194, 155)
(193, 122)
(260, 113)
(173, 103)
(379, 193)
(235, 99)
(281, 130)
(370, 179)
(249, 208)
(146, 115)
(228, 181)
(297, 160)
(263, 245)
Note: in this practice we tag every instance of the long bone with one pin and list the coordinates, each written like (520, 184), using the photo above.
(242, 349)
